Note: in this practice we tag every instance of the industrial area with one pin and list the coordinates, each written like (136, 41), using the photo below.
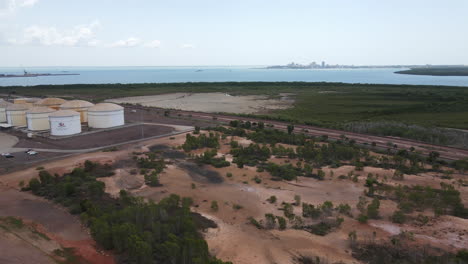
(58, 117)
(61, 136)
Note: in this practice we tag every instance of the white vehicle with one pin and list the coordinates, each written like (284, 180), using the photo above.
(32, 152)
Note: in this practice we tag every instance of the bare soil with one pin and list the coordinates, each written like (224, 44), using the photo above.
(235, 239)
(209, 102)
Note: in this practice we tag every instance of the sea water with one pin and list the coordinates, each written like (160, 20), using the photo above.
(101, 75)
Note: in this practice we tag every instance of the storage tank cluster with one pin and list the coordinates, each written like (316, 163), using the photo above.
(59, 116)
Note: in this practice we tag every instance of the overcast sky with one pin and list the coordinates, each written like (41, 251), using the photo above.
(236, 32)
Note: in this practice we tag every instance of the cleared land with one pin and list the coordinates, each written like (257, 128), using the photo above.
(244, 193)
(210, 102)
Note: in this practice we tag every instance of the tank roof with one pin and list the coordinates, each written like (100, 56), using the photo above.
(40, 110)
(76, 104)
(51, 101)
(63, 113)
(18, 107)
(4, 104)
(104, 107)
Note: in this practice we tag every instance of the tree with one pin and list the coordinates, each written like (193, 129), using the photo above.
(290, 129)
(281, 222)
(270, 221)
(214, 206)
(272, 199)
(320, 174)
(398, 217)
(34, 185)
(297, 200)
(362, 218)
(152, 179)
(433, 156)
(288, 210)
(373, 209)
(352, 237)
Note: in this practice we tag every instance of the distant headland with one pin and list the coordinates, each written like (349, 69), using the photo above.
(437, 71)
(28, 74)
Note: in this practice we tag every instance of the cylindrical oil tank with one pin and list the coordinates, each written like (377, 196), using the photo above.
(105, 115)
(16, 114)
(3, 106)
(64, 123)
(79, 106)
(38, 118)
(51, 102)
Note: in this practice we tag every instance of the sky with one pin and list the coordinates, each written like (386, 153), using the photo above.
(231, 32)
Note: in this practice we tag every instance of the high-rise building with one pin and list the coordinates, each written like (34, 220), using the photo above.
(323, 64)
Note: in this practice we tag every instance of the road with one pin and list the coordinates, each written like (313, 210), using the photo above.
(448, 153)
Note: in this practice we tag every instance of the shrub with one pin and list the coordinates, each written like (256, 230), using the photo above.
(398, 217)
(362, 218)
(272, 199)
(214, 206)
(237, 206)
(255, 223)
(281, 222)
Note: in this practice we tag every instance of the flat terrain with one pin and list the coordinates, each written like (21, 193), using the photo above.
(210, 102)
(324, 104)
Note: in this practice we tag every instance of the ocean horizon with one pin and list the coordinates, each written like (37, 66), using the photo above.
(251, 73)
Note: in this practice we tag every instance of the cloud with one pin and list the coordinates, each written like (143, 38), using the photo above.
(81, 35)
(8, 7)
(187, 46)
(126, 43)
(152, 44)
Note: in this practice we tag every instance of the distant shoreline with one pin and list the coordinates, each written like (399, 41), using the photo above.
(445, 71)
(35, 75)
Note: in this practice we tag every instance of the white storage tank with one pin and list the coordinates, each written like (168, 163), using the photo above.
(51, 102)
(16, 114)
(79, 106)
(38, 118)
(28, 101)
(64, 123)
(3, 106)
(105, 115)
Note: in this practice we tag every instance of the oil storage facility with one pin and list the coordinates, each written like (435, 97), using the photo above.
(38, 118)
(51, 102)
(64, 123)
(105, 115)
(16, 114)
(3, 106)
(79, 106)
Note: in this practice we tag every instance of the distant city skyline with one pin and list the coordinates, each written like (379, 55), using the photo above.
(211, 32)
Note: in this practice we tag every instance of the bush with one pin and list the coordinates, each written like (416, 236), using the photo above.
(398, 217)
(237, 206)
(362, 218)
(272, 199)
(257, 180)
(255, 223)
(214, 206)
(281, 222)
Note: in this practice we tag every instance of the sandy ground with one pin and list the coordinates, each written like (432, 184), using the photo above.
(209, 102)
(235, 239)
(7, 141)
